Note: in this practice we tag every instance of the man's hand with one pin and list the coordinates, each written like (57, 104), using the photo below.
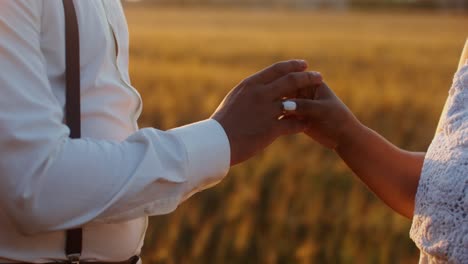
(329, 120)
(249, 113)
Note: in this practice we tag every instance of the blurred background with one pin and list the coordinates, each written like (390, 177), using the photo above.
(391, 62)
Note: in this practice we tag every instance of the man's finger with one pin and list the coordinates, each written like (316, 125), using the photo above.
(278, 70)
(292, 83)
(307, 108)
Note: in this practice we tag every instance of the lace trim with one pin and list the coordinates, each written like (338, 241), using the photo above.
(440, 222)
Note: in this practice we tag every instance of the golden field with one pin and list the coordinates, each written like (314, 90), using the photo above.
(296, 202)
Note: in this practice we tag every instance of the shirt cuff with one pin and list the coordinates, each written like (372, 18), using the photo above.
(208, 154)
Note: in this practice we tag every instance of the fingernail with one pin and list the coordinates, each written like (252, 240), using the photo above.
(318, 77)
(317, 74)
(303, 63)
(289, 106)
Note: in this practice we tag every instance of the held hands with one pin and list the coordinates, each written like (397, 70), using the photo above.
(250, 112)
(329, 121)
(249, 115)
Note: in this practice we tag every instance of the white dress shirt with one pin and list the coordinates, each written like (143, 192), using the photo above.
(116, 175)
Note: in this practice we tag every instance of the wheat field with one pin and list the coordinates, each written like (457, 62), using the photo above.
(295, 202)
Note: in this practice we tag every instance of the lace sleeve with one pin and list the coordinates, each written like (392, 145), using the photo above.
(440, 223)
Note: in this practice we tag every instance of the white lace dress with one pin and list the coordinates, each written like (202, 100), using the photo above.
(440, 222)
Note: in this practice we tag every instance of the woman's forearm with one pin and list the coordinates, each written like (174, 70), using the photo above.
(391, 173)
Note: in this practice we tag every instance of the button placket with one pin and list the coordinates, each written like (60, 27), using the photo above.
(111, 8)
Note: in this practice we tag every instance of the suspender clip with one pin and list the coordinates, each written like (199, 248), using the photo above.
(74, 258)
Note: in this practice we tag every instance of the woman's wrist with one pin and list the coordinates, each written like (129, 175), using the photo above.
(353, 130)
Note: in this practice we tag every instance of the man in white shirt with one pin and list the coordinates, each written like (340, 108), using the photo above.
(115, 176)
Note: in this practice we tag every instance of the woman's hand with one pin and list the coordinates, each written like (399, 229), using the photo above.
(391, 173)
(330, 121)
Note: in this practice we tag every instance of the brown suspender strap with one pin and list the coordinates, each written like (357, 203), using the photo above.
(74, 237)
(72, 43)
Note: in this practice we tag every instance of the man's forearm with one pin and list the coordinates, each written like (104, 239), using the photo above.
(391, 173)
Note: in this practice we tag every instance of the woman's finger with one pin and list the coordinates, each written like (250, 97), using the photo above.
(290, 125)
(310, 109)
